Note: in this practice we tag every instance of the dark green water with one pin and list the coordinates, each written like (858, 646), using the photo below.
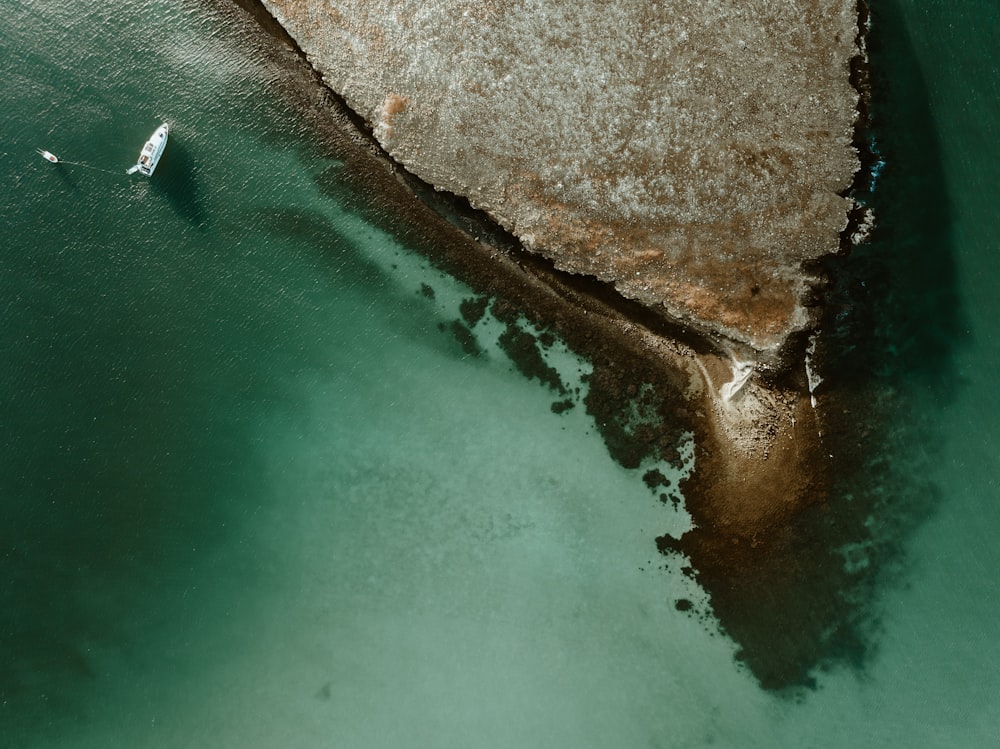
(253, 496)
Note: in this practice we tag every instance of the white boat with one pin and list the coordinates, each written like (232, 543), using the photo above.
(151, 152)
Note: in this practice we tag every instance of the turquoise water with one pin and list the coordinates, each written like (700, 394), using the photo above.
(253, 494)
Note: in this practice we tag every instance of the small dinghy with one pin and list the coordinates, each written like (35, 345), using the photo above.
(151, 152)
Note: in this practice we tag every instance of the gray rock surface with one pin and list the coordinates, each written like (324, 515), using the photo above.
(692, 152)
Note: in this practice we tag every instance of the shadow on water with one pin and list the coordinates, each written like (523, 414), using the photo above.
(69, 179)
(809, 600)
(896, 321)
(176, 178)
(338, 256)
(896, 311)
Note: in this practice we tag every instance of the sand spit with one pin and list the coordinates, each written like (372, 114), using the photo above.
(695, 301)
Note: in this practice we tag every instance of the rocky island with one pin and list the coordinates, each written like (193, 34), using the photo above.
(693, 160)
(693, 154)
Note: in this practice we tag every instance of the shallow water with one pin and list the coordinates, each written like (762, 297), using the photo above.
(254, 494)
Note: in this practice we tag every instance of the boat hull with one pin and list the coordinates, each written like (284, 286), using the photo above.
(151, 151)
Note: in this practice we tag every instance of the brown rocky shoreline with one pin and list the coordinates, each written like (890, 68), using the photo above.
(763, 463)
(694, 156)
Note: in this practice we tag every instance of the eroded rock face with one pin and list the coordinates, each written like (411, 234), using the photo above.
(693, 152)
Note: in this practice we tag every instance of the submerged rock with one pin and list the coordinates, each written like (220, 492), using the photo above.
(695, 154)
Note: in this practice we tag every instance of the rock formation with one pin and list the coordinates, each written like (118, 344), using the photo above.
(692, 153)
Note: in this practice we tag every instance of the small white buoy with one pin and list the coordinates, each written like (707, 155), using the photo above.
(48, 156)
